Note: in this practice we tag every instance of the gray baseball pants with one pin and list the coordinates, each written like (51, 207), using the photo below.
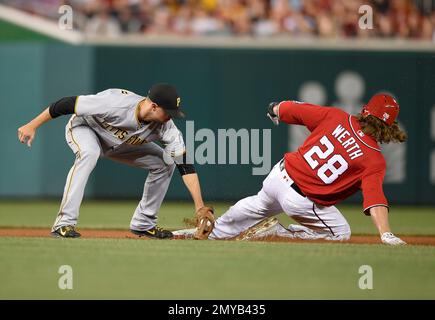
(87, 147)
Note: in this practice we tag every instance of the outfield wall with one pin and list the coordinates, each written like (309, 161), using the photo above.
(220, 88)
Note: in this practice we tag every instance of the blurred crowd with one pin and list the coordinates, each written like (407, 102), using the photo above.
(412, 19)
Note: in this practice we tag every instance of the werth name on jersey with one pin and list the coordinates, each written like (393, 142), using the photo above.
(348, 142)
(122, 134)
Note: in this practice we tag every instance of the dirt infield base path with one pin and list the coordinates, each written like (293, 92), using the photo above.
(125, 234)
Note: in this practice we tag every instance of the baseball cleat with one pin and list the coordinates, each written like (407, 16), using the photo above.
(65, 232)
(262, 229)
(154, 233)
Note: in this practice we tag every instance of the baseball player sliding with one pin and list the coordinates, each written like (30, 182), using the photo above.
(339, 157)
(121, 125)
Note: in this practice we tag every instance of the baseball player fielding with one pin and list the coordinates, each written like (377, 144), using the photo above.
(121, 126)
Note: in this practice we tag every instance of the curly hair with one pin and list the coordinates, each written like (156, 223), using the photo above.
(380, 131)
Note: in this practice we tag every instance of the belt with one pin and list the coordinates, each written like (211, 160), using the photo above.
(293, 185)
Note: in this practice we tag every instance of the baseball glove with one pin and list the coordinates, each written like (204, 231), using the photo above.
(204, 223)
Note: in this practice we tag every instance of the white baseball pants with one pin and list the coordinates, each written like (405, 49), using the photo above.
(277, 195)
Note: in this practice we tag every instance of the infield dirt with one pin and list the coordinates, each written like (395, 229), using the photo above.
(125, 234)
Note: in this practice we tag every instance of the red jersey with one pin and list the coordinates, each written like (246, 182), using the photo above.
(337, 159)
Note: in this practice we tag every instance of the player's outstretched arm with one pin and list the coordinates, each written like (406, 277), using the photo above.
(205, 219)
(379, 216)
(27, 133)
(191, 181)
(64, 106)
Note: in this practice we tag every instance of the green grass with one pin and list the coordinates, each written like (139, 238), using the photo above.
(139, 269)
(12, 32)
(116, 215)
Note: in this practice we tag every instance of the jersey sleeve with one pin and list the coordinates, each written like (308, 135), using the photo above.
(62, 106)
(173, 142)
(94, 104)
(372, 190)
(295, 112)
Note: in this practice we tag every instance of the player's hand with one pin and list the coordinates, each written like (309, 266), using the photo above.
(271, 114)
(26, 134)
(391, 239)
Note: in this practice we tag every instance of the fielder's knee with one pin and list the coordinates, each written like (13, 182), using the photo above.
(89, 156)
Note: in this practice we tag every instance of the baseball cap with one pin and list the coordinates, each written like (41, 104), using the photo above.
(382, 106)
(166, 97)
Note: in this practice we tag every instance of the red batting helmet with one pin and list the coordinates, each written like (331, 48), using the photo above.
(382, 106)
